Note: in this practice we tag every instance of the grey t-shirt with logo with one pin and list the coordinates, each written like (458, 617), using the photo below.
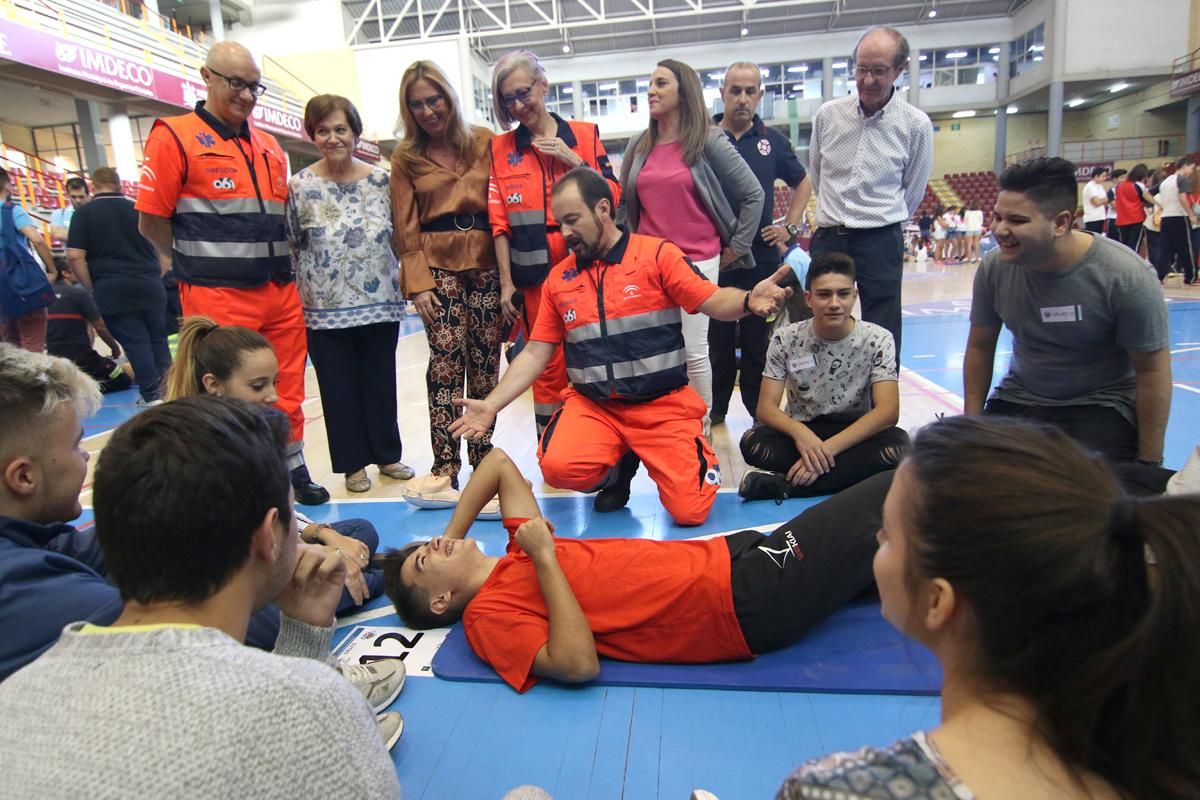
(830, 377)
(1072, 330)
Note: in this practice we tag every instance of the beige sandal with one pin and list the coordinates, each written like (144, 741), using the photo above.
(358, 484)
(400, 472)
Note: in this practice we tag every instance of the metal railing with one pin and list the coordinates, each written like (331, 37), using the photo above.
(1126, 149)
(108, 24)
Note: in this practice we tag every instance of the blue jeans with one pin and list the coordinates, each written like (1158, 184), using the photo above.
(143, 336)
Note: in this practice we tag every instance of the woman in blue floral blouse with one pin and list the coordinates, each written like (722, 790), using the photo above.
(339, 223)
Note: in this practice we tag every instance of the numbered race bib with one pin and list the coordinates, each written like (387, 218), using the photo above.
(416, 649)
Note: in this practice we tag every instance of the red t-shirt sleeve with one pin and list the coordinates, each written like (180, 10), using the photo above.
(162, 174)
(549, 326)
(682, 281)
(510, 642)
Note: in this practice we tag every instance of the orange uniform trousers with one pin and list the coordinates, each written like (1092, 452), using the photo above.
(548, 387)
(274, 311)
(585, 439)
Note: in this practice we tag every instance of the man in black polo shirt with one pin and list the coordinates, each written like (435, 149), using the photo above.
(108, 255)
(72, 311)
(770, 156)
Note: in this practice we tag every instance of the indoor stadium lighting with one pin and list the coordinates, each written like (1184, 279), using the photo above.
(798, 68)
(1078, 101)
(1118, 87)
(963, 114)
(993, 51)
(745, 30)
(1010, 110)
(933, 9)
(566, 47)
(839, 65)
(957, 54)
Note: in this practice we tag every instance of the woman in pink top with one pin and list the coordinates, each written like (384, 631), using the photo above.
(682, 180)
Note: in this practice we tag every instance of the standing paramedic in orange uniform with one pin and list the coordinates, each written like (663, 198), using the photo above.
(525, 164)
(615, 305)
(211, 198)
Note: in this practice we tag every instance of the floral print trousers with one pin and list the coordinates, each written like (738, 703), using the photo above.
(464, 351)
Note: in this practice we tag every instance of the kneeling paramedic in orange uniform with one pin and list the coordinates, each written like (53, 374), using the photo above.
(211, 199)
(615, 305)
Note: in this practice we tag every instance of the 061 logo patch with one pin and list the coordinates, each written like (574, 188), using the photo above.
(224, 183)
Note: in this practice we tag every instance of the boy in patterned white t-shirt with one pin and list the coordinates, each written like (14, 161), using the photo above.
(843, 398)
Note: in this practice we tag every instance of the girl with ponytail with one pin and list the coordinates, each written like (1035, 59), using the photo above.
(238, 363)
(1065, 614)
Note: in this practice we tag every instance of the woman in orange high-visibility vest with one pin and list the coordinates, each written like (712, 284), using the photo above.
(525, 163)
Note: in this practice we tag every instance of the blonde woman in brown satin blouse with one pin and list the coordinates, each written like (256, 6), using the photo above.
(448, 264)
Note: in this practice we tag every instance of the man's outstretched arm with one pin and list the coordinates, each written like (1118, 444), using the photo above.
(478, 415)
(496, 474)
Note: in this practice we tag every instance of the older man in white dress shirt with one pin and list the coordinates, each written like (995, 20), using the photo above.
(870, 159)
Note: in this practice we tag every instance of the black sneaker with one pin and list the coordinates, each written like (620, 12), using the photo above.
(616, 497)
(761, 484)
(308, 493)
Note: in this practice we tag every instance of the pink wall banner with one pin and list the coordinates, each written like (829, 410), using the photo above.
(39, 49)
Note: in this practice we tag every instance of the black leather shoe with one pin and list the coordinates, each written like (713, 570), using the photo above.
(308, 493)
(616, 497)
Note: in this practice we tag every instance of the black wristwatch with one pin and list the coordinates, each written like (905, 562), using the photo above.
(1148, 463)
(746, 304)
(793, 232)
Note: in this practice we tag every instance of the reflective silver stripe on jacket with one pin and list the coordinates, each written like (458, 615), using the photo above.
(624, 370)
(529, 258)
(238, 205)
(526, 218)
(634, 322)
(196, 249)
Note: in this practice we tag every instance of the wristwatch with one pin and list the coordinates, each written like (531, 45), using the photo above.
(792, 230)
(746, 304)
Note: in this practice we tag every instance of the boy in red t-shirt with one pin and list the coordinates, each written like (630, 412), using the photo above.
(551, 606)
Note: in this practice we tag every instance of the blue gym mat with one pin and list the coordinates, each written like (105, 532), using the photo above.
(854, 652)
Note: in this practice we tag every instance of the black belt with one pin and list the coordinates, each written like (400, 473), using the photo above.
(842, 230)
(457, 222)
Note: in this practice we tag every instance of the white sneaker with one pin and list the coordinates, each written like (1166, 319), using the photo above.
(1187, 480)
(391, 725)
(380, 681)
(430, 491)
(491, 510)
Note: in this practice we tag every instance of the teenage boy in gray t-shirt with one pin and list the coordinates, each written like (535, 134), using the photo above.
(843, 397)
(1088, 320)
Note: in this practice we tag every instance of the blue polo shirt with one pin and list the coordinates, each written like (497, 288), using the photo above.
(771, 158)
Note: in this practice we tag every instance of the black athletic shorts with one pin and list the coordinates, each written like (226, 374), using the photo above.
(789, 581)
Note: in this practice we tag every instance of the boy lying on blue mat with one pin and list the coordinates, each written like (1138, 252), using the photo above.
(551, 606)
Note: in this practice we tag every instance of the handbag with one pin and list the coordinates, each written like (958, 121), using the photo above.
(24, 287)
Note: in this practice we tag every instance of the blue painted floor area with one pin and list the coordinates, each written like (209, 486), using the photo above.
(935, 335)
(476, 741)
(479, 740)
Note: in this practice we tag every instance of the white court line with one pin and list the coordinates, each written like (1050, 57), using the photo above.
(366, 616)
(1185, 350)
(926, 355)
(1191, 389)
